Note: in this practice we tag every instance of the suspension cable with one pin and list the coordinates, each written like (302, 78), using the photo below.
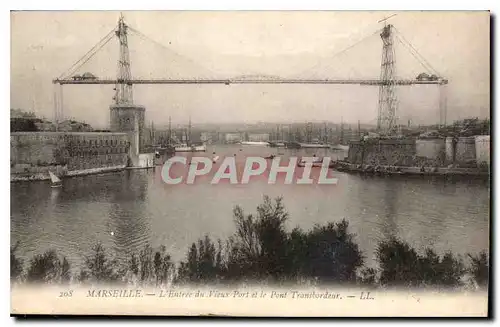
(422, 60)
(146, 38)
(423, 64)
(342, 51)
(93, 50)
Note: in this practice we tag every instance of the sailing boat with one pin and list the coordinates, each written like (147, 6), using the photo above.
(188, 146)
(56, 182)
(310, 143)
(340, 145)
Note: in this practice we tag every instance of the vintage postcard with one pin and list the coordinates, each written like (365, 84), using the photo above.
(250, 163)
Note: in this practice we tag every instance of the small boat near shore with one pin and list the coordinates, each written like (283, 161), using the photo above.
(292, 145)
(314, 145)
(277, 144)
(254, 143)
(340, 147)
(191, 148)
(380, 170)
(56, 181)
(316, 162)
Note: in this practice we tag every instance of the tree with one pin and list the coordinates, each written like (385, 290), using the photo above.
(332, 253)
(99, 268)
(204, 263)
(48, 268)
(480, 268)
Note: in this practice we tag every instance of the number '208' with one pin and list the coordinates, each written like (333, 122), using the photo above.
(66, 293)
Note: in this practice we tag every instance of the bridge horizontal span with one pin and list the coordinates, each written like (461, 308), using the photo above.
(251, 81)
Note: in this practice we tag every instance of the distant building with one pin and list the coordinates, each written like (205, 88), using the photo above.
(233, 137)
(67, 126)
(209, 137)
(18, 113)
(194, 137)
(258, 137)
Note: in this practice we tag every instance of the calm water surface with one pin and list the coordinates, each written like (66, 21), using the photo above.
(138, 207)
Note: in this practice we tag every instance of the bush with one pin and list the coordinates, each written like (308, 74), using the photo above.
(261, 250)
(326, 253)
(258, 249)
(401, 266)
(16, 264)
(446, 271)
(99, 268)
(368, 277)
(149, 267)
(480, 269)
(163, 265)
(204, 263)
(48, 268)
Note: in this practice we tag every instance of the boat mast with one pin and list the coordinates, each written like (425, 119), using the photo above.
(169, 130)
(325, 137)
(188, 141)
(341, 130)
(152, 132)
(308, 132)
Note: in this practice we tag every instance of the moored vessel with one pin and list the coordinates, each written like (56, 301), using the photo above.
(56, 181)
(253, 143)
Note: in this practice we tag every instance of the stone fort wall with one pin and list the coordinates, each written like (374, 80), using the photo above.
(66, 152)
(483, 149)
(382, 152)
(462, 151)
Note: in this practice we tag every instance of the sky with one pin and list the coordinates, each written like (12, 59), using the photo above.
(211, 44)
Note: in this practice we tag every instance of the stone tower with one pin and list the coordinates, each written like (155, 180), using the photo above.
(125, 116)
(129, 119)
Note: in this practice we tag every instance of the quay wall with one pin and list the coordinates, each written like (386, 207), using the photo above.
(382, 152)
(483, 149)
(430, 151)
(464, 152)
(34, 148)
(142, 160)
(33, 154)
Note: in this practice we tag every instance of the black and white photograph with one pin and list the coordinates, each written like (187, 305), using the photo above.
(250, 163)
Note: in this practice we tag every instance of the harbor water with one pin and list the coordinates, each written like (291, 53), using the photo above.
(126, 210)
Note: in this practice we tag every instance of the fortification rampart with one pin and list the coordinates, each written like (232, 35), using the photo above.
(33, 154)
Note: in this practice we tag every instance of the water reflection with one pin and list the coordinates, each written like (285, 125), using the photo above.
(54, 196)
(390, 198)
(128, 214)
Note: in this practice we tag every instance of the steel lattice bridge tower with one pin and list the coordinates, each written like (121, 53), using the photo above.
(387, 101)
(123, 86)
(121, 119)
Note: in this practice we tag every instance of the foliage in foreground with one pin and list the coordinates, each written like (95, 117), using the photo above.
(262, 250)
